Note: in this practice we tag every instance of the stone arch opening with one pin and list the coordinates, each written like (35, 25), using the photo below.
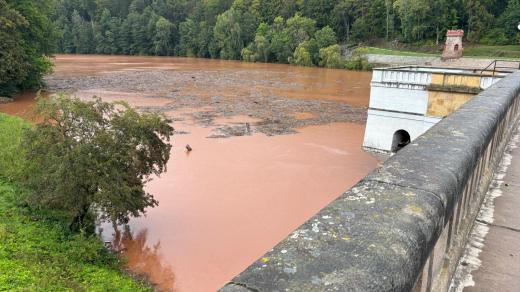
(456, 47)
(400, 140)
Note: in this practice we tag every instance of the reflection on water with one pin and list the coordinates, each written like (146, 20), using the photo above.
(230, 200)
(143, 258)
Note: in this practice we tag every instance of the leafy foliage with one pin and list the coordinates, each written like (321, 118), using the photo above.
(358, 60)
(301, 57)
(330, 57)
(11, 158)
(37, 252)
(93, 158)
(27, 38)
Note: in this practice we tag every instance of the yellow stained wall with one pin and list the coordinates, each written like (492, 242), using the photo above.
(441, 104)
(456, 80)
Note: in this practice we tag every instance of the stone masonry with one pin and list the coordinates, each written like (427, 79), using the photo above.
(453, 47)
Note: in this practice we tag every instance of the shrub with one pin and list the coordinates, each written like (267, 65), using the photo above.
(358, 60)
(248, 55)
(301, 57)
(86, 154)
(330, 57)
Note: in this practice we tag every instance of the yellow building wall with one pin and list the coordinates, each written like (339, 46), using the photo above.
(441, 104)
(454, 80)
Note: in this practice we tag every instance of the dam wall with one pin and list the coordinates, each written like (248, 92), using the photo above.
(411, 99)
(404, 226)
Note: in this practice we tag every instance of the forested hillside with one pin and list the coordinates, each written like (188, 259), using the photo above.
(272, 30)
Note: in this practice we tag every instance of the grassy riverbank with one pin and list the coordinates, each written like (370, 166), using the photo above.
(37, 252)
(496, 52)
(390, 52)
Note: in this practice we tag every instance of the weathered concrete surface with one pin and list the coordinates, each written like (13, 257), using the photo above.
(499, 257)
(360, 241)
(379, 235)
(470, 63)
(441, 160)
(501, 262)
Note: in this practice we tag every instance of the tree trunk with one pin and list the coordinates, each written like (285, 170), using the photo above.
(437, 32)
(346, 23)
(79, 220)
(387, 19)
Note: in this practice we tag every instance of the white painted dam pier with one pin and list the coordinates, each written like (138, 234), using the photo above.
(407, 101)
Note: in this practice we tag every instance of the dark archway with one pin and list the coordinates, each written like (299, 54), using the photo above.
(456, 47)
(401, 139)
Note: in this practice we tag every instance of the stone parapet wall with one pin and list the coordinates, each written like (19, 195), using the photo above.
(404, 226)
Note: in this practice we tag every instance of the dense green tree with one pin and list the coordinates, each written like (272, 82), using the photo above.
(82, 35)
(325, 37)
(414, 16)
(301, 56)
(285, 37)
(479, 19)
(270, 9)
(442, 18)
(205, 45)
(318, 10)
(162, 40)
(27, 37)
(510, 19)
(188, 39)
(259, 49)
(300, 28)
(358, 60)
(330, 57)
(13, 69)
(228, 34)
(93, 158)
(102, 35)
(345, 13)
(235, 28)
(281, 43)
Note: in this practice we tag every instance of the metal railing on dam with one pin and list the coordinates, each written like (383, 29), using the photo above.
(404, 226)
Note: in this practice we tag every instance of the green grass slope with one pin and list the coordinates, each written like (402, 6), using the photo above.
(37, 252)
(493, 52)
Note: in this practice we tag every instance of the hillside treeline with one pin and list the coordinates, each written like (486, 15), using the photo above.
(272, 30)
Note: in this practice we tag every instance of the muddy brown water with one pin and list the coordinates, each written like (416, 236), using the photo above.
(232, 198)
(22, 107)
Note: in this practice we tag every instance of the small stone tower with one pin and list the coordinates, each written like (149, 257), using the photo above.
(453, 47)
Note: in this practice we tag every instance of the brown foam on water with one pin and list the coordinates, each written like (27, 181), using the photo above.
(134, 99)
(304, 116)
(232, 78)
(235, 120)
